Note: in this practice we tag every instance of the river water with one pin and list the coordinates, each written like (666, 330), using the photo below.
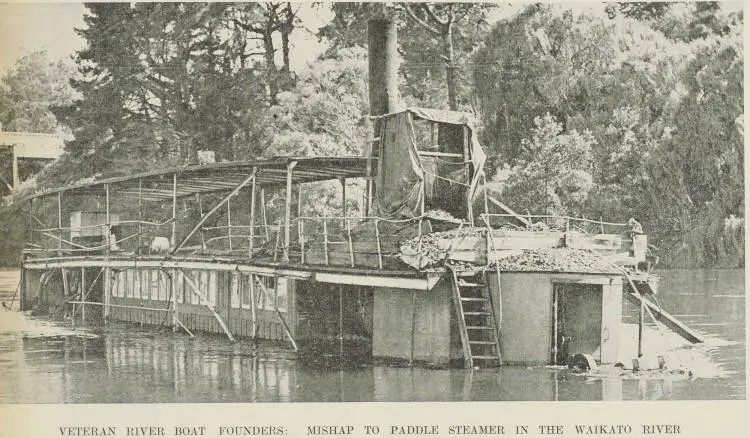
(49, 362)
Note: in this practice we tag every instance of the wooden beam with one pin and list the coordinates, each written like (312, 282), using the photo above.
(666, 318)
(204, 299)
(510, 211)
(370, 280)
(278, 312)
(213, 210)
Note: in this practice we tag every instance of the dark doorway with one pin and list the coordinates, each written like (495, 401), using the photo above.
(577, 320)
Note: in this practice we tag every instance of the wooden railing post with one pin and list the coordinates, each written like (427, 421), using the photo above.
(351, 243)
(325, 240)
(377, 241)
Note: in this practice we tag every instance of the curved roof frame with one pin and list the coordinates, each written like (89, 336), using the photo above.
(158, 185)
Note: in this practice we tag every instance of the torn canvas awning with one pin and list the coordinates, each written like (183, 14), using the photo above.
(439, 172)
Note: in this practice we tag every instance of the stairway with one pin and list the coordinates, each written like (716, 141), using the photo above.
(476, 319)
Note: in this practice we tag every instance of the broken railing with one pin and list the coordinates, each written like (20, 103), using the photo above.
(354, 241)
(553, 223)
(130, 236)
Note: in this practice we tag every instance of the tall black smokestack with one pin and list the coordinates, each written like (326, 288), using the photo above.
(383, 66)
(383, 83)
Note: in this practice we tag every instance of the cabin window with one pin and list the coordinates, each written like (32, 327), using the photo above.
(122, 283)
(246, 292)
(281, 295)
(130, 287)
(213, 283)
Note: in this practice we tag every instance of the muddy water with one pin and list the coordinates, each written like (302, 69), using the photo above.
(45, 362)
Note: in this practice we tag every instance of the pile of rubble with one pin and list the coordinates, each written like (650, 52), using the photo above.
(556, 260)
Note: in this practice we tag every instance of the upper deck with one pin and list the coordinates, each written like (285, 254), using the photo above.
(411, 204)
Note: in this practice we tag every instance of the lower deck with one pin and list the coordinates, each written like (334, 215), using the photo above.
(406, 316)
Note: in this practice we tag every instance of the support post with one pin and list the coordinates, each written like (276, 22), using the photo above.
(343, 196)
(16, 177)
(641, 317)
(59, 223)
(413, 325)
(253, 189)
(200, 210)
(107, 271)
(325, 240)
(377, 241)
(174, 210)
(107, 292)
(81, 292)
(175, 315)
(140, 215)
(341, 320)
(108, 228)
(252, 306)
(265, 218)
(467, 160)
(486, 201)
(229, 223)
(288, 209)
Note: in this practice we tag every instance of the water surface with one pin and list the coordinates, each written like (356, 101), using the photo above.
(49, 362)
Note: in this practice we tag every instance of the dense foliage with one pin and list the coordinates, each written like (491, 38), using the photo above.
(606, 111)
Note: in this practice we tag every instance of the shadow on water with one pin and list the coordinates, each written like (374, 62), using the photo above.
(45, 362)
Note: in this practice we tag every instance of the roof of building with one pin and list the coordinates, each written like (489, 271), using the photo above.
(217, 177)
(32, 145)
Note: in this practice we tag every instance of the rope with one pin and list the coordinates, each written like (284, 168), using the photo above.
(446, 179)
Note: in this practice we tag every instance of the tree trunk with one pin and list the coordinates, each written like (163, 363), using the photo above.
(271, 72)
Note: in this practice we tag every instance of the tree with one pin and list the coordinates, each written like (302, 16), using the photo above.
(30, 89)
(554, 174)
(161, 81)
(439, 46)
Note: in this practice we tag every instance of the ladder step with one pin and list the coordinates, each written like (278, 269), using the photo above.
(467, 273)
(478, 327)
(477, 300)
(476, 313)
(485, 357)
(482, 342)
(462, 283)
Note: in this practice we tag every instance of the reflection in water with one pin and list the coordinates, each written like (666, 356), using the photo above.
(43, 362)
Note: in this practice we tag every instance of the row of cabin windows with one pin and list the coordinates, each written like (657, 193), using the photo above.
(154, 284)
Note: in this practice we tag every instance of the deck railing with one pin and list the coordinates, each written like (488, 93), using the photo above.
(553, 223)
(353, 241)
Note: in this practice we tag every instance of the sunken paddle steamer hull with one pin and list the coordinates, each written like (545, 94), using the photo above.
(430, 269)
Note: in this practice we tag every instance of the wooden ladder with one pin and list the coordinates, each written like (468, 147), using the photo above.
(476, 318)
